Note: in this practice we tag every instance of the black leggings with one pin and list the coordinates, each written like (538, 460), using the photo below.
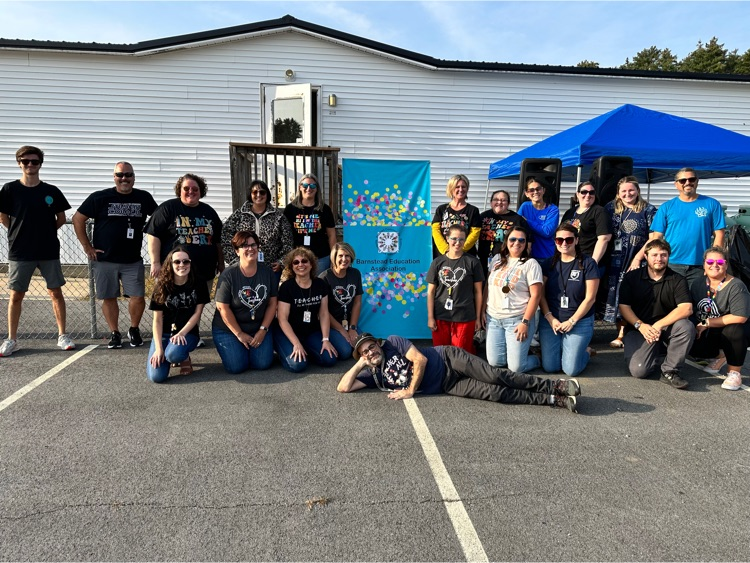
(732, 339)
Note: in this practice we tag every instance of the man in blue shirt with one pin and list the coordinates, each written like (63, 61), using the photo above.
(396, 366)
(687, 222)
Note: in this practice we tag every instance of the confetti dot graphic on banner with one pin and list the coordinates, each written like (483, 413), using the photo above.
(370, 208)
(394, 291)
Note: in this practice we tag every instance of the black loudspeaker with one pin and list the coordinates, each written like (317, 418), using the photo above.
(606, 172)
(546, 171)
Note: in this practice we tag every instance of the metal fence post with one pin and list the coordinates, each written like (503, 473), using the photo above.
(92, 295)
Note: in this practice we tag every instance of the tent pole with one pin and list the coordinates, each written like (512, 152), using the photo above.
(486, 193)
(648, 179)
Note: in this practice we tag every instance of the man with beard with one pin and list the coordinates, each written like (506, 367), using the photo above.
(656, 301)
(396, 366)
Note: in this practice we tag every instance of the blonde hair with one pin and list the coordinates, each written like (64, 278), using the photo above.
(346, 247)
(640, 203)
(454, 180)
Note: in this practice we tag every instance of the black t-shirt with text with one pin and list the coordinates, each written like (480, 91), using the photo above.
(342, 291)
(180, 305)
(307, 221)
(247, 297)
(301, 300)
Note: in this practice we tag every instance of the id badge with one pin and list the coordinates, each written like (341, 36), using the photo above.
(618, 245)
(131, 233)
(345, 324)
(260, 257)
(307, 240)
(306, 317)
(449, 304)
(564, 302)
(506, 302)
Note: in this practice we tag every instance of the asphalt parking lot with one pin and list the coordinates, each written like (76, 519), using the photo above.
(97, 463)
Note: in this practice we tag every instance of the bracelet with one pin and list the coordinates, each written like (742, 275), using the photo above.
(326, 340)
(263, 328)
(548, 314)
(572, 322)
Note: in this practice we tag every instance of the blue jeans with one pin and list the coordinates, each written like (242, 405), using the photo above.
(504, 350)
(236, 358)
(311, 344)
(173, 354)
(323, 264)
(566, 352)
(341, 344)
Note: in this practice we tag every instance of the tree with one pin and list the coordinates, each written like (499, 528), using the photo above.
(587, 64)
(286, 131)
(652, 58)
(711, 58)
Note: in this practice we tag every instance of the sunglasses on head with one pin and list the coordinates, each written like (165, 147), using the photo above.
(124, 174)
(178, 262)
(309, 186)
(566, 240)
(587, 192)
(516, 239)
(300, 261)
(690, 180)
(718, 261)
(32, 161)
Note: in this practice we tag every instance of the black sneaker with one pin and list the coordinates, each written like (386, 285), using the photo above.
(673, 378)
(567, 387)
(134, 334)
(565, 402)
(115, 340)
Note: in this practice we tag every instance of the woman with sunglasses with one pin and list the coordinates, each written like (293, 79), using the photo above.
(344, 298)
(458, 211)
(630, 216)
(454, 294)
(592, 222)
(496, 222)
(571, 280)
(245, 308)
(259, 215)
(312, 221)
(304, 324)
(722, 308)
(177, 303)
(542, 218)
(512, 295)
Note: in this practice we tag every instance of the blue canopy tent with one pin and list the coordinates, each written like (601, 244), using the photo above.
(659, 144)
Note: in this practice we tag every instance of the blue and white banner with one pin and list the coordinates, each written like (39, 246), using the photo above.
(387, 220)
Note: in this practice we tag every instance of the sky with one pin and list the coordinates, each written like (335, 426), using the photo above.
(529, 32)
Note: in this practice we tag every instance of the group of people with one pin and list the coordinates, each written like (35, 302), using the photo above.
(287, 286)
(660, 275)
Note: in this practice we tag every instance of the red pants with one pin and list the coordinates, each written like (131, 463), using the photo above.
(449, 333)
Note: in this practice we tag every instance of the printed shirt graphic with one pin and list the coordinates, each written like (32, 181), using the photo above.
(568, 278)
(247, 296)
(459, 276)
(342, 291)
(468, 217)
(301, 300)
(733, 298)
(519, 278)
(307, 221)
(180, 305)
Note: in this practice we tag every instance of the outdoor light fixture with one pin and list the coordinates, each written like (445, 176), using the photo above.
(332, 100)
(289, 74)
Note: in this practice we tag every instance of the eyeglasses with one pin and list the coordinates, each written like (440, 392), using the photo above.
(258, 192)
(124, 174)
(566, 240)
(691, 180)
(587, 192)
(718, 261)
(369, 350)
(534, 190)
(309, 186)
(188, 189)
(30, 161)
(456, 239)
(300, 261)
(186, 261)
(516, 239)
(251, 245)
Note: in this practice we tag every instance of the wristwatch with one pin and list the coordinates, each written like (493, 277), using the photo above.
(263, 328)
(637, 325)
(352, 327)
(525, 321)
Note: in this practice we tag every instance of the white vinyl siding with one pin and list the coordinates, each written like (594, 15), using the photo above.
(176, 111)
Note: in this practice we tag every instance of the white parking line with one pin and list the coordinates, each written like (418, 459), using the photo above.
(44, 377)
(700, 368)
(467, 535)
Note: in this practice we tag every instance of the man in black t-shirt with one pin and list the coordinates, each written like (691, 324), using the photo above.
(116, 253)
(32, 211)
(656, 301)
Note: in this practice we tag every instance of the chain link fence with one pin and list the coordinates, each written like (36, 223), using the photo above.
(84, 314)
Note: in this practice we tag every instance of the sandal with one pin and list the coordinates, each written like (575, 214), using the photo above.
(616, 343)
(591, 351)
(186, 367)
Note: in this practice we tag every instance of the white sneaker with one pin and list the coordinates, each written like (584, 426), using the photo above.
(733, 381)
(201, 343)
(715, 365)
(8, 347)
(64, 342)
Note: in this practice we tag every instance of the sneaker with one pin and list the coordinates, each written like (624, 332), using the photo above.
(715, 365)
(201, 343)
(64, 342)
(8, 347)
(733, 381)
(534, 342)
(567, 387)
(673, 378)
(564, 402)
(115, 340)
(134, 335)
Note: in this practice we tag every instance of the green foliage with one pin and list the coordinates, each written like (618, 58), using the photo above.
(286, 131)
(652, 58)
(587, 64)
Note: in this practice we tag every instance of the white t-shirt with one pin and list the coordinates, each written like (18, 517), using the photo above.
(519, 277)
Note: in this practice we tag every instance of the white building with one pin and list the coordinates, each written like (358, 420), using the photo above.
(173, 105)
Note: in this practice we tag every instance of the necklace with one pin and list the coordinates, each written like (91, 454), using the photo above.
(506, 287)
